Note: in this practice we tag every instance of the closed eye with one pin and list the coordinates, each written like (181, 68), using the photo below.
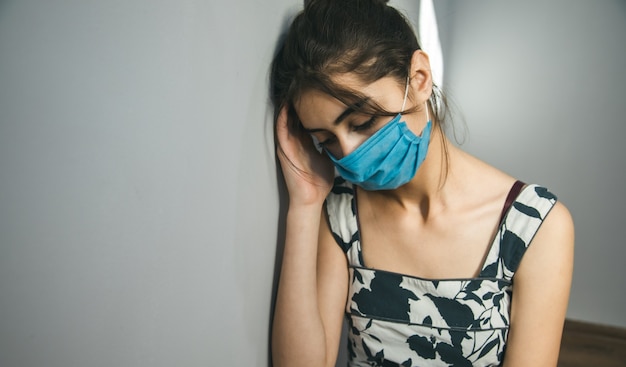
(321, 144)
(326, 142)
(366, 125)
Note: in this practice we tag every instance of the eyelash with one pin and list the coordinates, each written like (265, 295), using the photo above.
(364, 126)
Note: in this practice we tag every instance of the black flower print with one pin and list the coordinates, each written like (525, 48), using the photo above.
(399, 320)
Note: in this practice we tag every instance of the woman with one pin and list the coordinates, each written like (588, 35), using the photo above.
(423, 247)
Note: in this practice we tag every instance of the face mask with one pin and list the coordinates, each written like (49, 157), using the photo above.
(389, 158)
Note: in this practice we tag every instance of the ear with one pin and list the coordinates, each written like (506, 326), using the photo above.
(421, 80)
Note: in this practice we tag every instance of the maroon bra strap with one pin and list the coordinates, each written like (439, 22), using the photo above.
(515, 190)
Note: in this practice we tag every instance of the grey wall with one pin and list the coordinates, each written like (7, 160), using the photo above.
(542, 88)
(138, 196)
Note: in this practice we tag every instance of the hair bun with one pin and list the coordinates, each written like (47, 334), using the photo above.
(307, 2)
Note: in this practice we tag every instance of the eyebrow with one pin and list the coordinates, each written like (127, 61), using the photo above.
(347, 112)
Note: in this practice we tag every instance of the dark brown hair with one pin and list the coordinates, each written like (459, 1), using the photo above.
(331, 37)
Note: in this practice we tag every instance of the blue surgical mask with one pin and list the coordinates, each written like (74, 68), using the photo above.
(389, 158)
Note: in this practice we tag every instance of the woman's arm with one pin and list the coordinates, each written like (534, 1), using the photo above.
(540, 294)
(311, 295)
(332, 289)
(314, 277)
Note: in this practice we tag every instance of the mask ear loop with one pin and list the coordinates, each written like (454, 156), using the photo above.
(406, 93)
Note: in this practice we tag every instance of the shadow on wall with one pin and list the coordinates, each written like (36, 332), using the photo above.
(283, 196)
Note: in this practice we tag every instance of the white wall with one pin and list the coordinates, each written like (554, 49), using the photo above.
(138, 196)
(542, 87)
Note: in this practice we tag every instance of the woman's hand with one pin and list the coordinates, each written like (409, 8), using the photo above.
(308, 173)
(313, 283)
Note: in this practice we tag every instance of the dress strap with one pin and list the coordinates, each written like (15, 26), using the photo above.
(519, 226)
(510, 198)
(341, 214)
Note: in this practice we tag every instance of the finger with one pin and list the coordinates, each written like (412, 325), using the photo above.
(282, 125)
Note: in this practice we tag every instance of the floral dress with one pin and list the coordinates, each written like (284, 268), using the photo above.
(402, 320)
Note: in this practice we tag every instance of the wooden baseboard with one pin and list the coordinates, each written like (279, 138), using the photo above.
(586, 344)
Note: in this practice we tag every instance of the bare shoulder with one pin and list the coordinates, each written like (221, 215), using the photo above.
(557, 230)
(553, 244)
(541, 292)
(560, 217)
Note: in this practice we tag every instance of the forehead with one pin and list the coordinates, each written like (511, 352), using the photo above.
(315, 107)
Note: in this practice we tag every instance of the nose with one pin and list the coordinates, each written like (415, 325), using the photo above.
(348, 144)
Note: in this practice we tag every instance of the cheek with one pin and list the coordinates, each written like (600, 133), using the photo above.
(415, 124)
(316, 143)
(335, 151)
